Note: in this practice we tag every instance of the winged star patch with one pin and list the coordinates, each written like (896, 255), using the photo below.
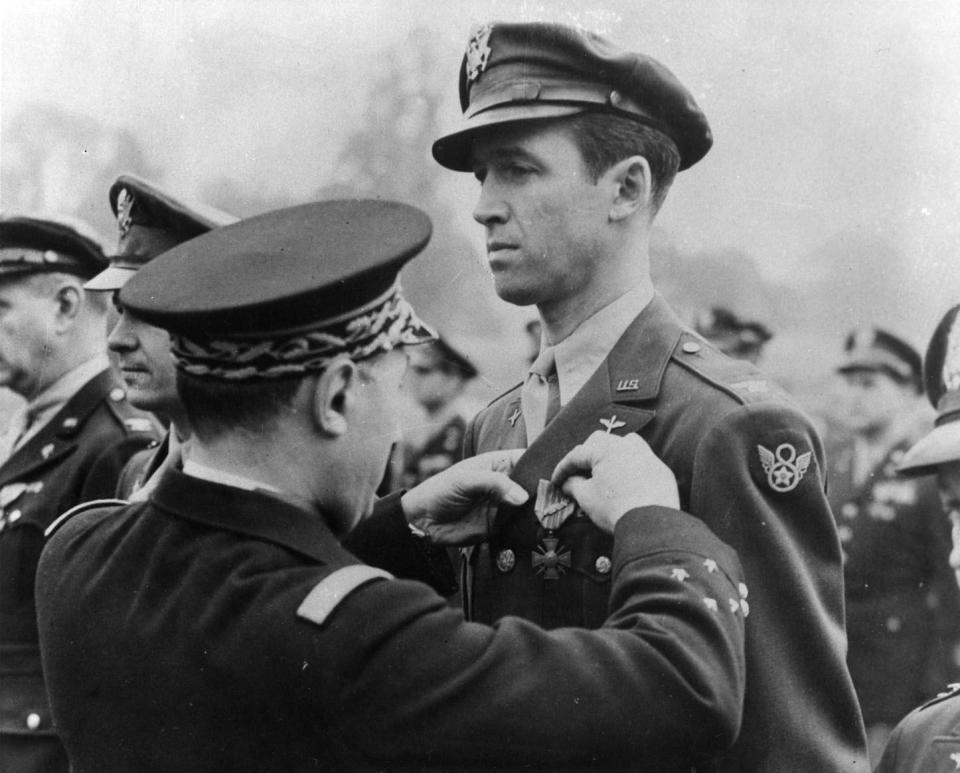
(784, 468)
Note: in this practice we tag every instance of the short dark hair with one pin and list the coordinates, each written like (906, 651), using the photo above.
(216, 407)
(605, 138)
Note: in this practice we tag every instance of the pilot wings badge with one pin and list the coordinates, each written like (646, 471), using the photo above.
(784, 468)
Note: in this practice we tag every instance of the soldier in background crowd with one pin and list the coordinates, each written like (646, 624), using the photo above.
(67, 444)
(928, 740)
(736, 337)
(575, 143)
(149, 222)
(220, 626)
(438, 378)
(903, 606)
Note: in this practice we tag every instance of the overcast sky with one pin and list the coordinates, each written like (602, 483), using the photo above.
(830, 118)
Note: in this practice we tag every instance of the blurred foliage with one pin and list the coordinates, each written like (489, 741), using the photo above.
(54, 160)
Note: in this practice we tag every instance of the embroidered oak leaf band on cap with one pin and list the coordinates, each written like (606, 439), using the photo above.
(283, 293)
(391, 323)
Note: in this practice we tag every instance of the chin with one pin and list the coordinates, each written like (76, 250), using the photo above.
(518, 296)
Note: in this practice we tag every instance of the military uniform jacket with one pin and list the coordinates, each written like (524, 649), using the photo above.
(141, 466)
(927, 740)
(903, 611)
(75, 457)
(747, 463)
(211, 628)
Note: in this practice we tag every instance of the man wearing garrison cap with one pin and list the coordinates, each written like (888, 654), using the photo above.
(575, 143)
(903, 609)
(219, 625)
(928, 739)
(149, 221)
(67, 444)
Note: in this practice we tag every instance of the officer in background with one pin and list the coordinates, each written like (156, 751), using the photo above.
(903, 606)
(220, 626)
(438, 379)
(67, 444)
(149, 221)
(928, 740)
(739, 338)
(574, 143)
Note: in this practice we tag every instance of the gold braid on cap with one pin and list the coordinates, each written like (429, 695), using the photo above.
(378, 327)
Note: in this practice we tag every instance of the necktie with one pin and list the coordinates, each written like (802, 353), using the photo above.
(540, 396)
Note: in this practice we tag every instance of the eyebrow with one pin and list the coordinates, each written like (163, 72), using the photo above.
(501, 153)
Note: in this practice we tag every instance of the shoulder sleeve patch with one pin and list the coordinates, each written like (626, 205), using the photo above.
(329, 592)
(93, 504)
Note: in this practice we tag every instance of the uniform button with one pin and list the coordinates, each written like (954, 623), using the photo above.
(117, 394)
(691, 347)
(70, 422)
(894, 624)
(603, 565)
(14, 516)
(506, 560)
(33, 721)
(845, 533)
(849, 510)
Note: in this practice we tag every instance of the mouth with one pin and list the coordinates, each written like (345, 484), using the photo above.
(497, 246)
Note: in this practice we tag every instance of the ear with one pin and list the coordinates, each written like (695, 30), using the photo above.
(333, 396)
(632, 187)
(68, 300)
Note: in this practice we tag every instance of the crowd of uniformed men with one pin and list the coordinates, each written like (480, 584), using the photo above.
(641, 557)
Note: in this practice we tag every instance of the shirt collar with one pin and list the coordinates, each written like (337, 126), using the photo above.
(580, 354)
(49, 401)
(204, 472)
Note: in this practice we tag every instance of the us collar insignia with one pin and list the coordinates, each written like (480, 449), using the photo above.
(478, 51)
(784, 468)
(552, 507)
(124, 206)
(10, 493)
(514, 417)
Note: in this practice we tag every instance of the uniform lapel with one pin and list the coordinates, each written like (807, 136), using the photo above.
(620, 397)
(58, 436)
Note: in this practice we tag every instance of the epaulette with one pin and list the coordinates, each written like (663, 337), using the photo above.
(327, 594)
(736, 378)
(952, 691)
(93, 504)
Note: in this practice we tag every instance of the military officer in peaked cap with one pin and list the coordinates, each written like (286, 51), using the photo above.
(928, 739)
(742, 339)
(150, 221)
(219, 625)
(66, 444)
(903, 606)
(575, 143)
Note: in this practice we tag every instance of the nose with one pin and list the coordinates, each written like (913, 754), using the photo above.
(490, 207)
(122, 338)
(955, 538)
